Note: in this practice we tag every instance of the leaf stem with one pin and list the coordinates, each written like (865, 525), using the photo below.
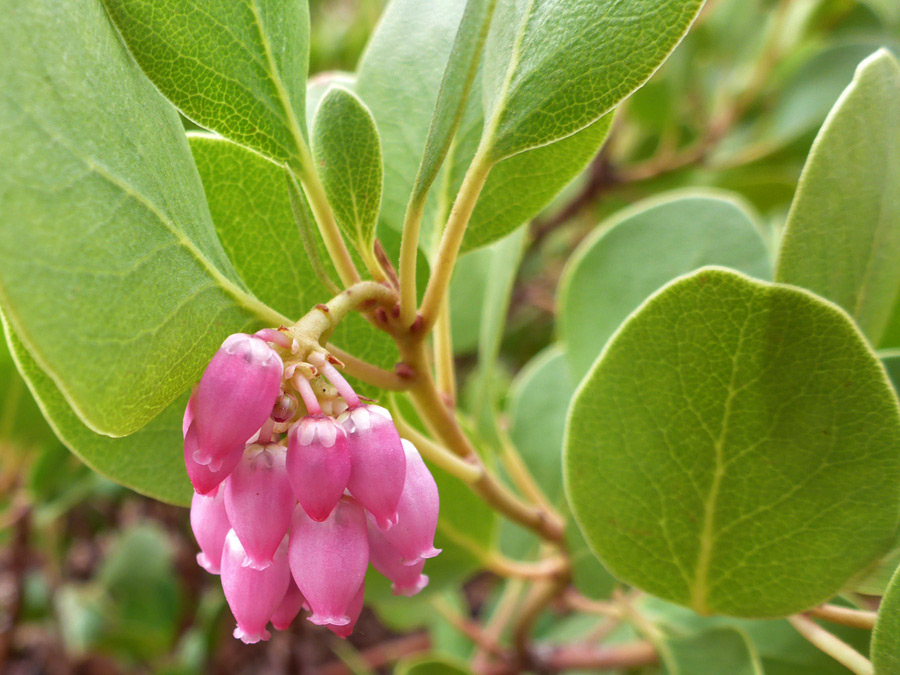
(316, 326)
(438, 455)
(318, 202)
(301, 218)
(444, 425)
(846, 616)
(368, 372)
(448, 250)
(830, 644)
(444, 366)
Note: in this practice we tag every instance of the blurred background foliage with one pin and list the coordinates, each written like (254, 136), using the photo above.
(95, 579)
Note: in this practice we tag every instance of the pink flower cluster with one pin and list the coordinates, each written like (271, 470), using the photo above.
(290, 508)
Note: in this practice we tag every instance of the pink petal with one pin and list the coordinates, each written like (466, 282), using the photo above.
(253, 595)
(235, 396)
(378, 462)
(407, 579)
(413, 535)
(329, 560)
(290, 607)
(260, 502)
(204, 480)
(353, 611)
(318, 464)
(209, 523)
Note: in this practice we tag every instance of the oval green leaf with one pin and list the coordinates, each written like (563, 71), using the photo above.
(842, 238)
(150, 461)
(110, 270)
(886, 637)
(736, 448)
(552, 67)
(347, 152)
(238, 68)
(644, 247)
(712, 652)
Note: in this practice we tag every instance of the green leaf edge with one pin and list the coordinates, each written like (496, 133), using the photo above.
(714, 268)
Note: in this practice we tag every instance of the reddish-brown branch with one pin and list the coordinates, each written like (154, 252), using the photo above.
(582, 657)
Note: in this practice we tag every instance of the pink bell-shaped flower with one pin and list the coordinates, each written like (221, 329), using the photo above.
(329, 560)
(290, 607)
(377, 460)
(253, 595)
(318, 464)
(209, 523)
(353, 611)
(260, 502)
(204, 479)
(413, 535)
(235, 397)
(407, 579)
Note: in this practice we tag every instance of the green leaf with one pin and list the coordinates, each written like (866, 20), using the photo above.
(552, 67)
(538, 402)
(782, 650)
(430, 665)
(842, 238)
(736, 448)
(399, 79)
(251, 210)
(110, 270)
(886, 636)
(456, 84)
(715, 651)
(505, 258)
(589, 575)
(467, 291)
(643, 247)
(520, 187)
(347, 152)
(888, 9)
(236, 68)
(21, 422)
(150, 461)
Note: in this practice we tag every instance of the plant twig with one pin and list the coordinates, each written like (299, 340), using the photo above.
(855, 618)
(470, 629)
(444, 366)
(830, 644)
(383, 654)
(451, 240)
(367, 372)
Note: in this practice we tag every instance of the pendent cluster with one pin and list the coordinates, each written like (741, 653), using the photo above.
(292, 505)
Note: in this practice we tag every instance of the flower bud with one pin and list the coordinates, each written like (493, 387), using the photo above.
(260, 502)
(329, 560)
(413, 535)
(318, 464)
(209, 523)
(290, 607)
(407, 579)
(205, 480)
(378, 463)
(353, 611)
(253, 595)
(235, 397)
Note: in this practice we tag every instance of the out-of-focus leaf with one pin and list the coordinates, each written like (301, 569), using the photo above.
(842, 238)
(640, 249)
